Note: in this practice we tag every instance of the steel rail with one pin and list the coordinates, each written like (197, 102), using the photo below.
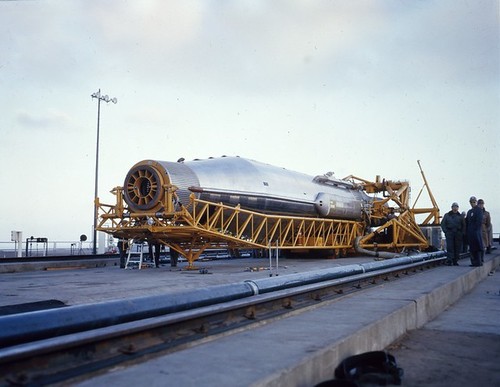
(76, 356)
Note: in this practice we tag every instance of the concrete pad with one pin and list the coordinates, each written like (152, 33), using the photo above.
(460, 347)
(304, 349)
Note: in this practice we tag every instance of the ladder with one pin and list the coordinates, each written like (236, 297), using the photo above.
(135, 256)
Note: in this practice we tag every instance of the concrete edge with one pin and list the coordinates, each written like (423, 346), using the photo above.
(431, 305)
(380, 334)
(9, 268)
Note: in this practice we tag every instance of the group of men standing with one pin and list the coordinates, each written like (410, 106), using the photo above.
(473, 229)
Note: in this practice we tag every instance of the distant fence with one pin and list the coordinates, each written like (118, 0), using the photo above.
(41, 247)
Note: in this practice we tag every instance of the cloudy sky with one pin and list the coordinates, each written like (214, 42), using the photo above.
(355, 87)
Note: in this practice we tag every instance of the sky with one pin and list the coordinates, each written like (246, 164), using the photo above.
(355, 87)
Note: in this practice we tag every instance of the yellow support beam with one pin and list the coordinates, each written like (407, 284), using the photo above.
(203, 224)
(192, 228)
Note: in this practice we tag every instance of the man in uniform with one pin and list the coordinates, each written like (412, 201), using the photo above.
(474, 221)
(453, 226)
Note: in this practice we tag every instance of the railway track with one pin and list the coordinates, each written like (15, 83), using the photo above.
(72, 354)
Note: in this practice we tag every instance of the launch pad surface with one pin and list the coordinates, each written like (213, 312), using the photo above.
(442, 325)
(75, 285)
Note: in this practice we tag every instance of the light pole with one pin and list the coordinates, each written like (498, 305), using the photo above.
(106, 99)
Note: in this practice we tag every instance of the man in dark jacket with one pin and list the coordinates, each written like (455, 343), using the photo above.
(486, 227)
(474, 221)
(453, 226)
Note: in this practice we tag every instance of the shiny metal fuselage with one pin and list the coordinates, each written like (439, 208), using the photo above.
(256, 186)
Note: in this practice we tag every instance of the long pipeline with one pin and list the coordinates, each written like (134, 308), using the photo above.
(26, 327)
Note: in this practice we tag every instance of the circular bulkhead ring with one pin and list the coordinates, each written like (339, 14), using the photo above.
(143, 187)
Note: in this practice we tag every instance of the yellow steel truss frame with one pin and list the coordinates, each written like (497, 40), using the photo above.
(398, 230)
(403, 232)
(202, 224)
(191, 229)
(432, 212)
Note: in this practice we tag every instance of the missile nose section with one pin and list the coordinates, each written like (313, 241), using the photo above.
(144, 186)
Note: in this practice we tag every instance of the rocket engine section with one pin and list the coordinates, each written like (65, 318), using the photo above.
(339, 207)
(251, 184)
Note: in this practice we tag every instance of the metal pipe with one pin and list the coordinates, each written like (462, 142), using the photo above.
(381, 254)
(25, 327)
(277, 256)
(266, 285)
